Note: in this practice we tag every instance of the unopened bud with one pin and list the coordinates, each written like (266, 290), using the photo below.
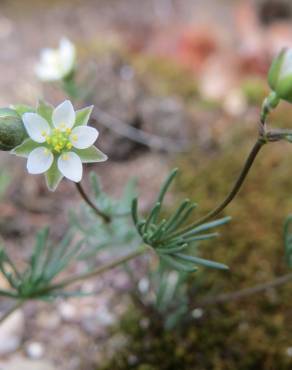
(12, 131)
(280, 75)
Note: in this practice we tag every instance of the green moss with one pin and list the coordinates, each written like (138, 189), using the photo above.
(165, 77)
(255, 332)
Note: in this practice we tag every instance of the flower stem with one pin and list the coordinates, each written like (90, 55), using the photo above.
(11, 310)
(99, 270)
(101, 214)
(235, 189)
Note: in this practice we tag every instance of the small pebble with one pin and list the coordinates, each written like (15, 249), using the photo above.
(67, 311)
(289, 351)
(11, 333)
(197, 313)
(143, 285)
(35, 350)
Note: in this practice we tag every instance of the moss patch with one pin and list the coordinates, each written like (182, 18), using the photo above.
(255, 332)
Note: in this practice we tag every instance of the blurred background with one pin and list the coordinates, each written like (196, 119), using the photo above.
(193, 72)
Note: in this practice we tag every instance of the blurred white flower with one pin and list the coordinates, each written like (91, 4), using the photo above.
(58, 143)
(235, 103)
(56, 64)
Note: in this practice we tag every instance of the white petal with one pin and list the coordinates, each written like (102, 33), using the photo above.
(39, 160)
(83, 137)
(48, 56)
(36, 126)
(48, 72)
(67, 54)
(64, 115)
(70, 166)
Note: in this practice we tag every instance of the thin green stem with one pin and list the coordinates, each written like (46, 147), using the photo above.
(235, 189)
(83, 194)
(11, 310)
(98, 271)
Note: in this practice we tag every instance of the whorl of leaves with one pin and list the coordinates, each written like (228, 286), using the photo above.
(168, 238)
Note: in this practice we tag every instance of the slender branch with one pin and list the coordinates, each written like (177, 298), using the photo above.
(101, 214)
(235, 189)
(11, 310)
(246, 292)
(98, 271)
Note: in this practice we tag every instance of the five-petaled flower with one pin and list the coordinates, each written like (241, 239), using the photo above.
(59, 141)
(56, 64)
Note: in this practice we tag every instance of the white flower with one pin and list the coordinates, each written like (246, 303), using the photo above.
(55, 64)
(59, 141)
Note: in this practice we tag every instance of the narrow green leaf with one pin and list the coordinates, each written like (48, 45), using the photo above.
(152, 216)
(178, 265)
(165, 187)
(171, 250)
(159, 231)
(210, 225)
(41, 240)
(184, 217)
(140, 226)
(193, 238)
(177, 214)
(134, 210)
(201, 261)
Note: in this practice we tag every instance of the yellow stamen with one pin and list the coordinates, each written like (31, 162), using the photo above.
(68, 130)
(46, 151)
(65, 157)
(44, 134)
(74, 137)
(69, 146)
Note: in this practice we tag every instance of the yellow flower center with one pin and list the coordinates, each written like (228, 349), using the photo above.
(58, 141)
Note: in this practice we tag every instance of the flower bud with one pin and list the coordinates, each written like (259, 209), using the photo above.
(280, 75)
(12, 131)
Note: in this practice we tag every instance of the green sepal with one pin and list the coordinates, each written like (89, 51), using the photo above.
(25, 148)
(90, 155)
(83, 115)
(22, 108)
(45, 110)
(53, 176)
